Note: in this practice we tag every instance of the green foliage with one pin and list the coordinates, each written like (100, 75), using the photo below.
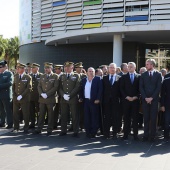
(9, 50)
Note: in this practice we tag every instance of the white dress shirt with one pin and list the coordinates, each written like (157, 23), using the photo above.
(87, 90)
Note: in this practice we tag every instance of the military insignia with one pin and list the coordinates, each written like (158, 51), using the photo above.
(4, 76)
(73, 78)
(24, 80)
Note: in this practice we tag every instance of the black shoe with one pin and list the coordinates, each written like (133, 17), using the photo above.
(25, 131)
(152, 139)
(49, 134)
(36, 132)
(62, 134)
(2, 125)
(136, 138)
(144, 139)
(75, 135)
(31, 126)
(9, 127)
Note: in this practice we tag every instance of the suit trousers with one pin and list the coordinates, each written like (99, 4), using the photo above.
(6, 111)
(91, 117)
(66, 108)
(131, 112)
(25, 107)
(34, 109)
(49, 109)
(150, 112)
(111, 111)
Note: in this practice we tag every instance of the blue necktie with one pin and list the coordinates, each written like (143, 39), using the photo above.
(131, 78)
(111, 79)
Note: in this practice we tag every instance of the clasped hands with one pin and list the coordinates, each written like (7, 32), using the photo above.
(131, 99)
(66, 97)
(44, 95)
(148, 100)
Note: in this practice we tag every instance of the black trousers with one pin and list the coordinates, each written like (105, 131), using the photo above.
(111, 111)
(131, 113)
(150, 112)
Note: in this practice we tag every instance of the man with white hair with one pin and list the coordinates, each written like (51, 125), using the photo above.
(111, 102)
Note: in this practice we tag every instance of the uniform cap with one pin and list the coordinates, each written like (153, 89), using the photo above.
(57, 66)
(68, 63)
(78, 65)
(2, 63)
(35, 65)
(47, 64)
(21, 65)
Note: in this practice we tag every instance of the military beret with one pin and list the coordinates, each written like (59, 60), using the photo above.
(57, 66)
(78, 65)
(2, 63)
(28, 64)
(67, 64)
(35, 65)
(47, 64)
(21, 65)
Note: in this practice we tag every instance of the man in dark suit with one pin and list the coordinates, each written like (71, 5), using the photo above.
(111, 102)
(150, 85)
(129, 87)
(91, 94)
(124, 69)
(6, 81)
(165, 106)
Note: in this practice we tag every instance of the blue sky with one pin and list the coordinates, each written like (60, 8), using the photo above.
(9, 18)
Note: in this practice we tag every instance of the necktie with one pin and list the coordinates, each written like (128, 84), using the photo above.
(48, 76)
(131, 78)
(111, 79)
(150, 74)
(20, 77)
(68, 75)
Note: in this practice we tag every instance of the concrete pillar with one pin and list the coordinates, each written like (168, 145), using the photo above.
(117, 49)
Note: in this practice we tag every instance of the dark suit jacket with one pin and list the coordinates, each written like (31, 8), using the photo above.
(165, 93)
(150, 87)
(167, 75)
(6, 81)
(111, 92)
(127, 88)
(96, 89)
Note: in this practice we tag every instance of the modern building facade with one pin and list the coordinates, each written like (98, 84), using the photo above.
(95, 31)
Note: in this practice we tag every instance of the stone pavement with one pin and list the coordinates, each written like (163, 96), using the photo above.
(39, 152)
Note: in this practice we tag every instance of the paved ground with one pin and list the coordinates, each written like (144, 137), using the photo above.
(38, 152)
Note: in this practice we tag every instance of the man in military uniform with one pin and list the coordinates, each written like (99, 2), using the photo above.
(78, 68)
(69, 88)
(34, 105)
(47, 88)
(21, 97)
(6, 81)
(57, 111)
(28, 69)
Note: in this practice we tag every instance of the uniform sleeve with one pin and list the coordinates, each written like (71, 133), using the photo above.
(53, 90)
(61, 92)
(28, 88)
(9, 81)
(40, 86)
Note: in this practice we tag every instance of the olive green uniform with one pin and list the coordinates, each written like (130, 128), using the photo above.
(49, 86)
(34, 104)
(21, 87)
(69, 86)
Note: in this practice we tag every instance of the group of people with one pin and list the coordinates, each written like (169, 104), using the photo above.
(106, 99)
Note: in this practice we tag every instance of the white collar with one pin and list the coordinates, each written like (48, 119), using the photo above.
(112, 75)
(22, 74)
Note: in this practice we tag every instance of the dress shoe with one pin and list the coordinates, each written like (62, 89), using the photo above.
(124, 138)
(36, 132)
(62, 134)
(75, 135)
(136, 138)
(9, 127)
(26, 131)
(152, 139)
(31, 126)
(49, 134)
(144, 139)
(2, 125)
